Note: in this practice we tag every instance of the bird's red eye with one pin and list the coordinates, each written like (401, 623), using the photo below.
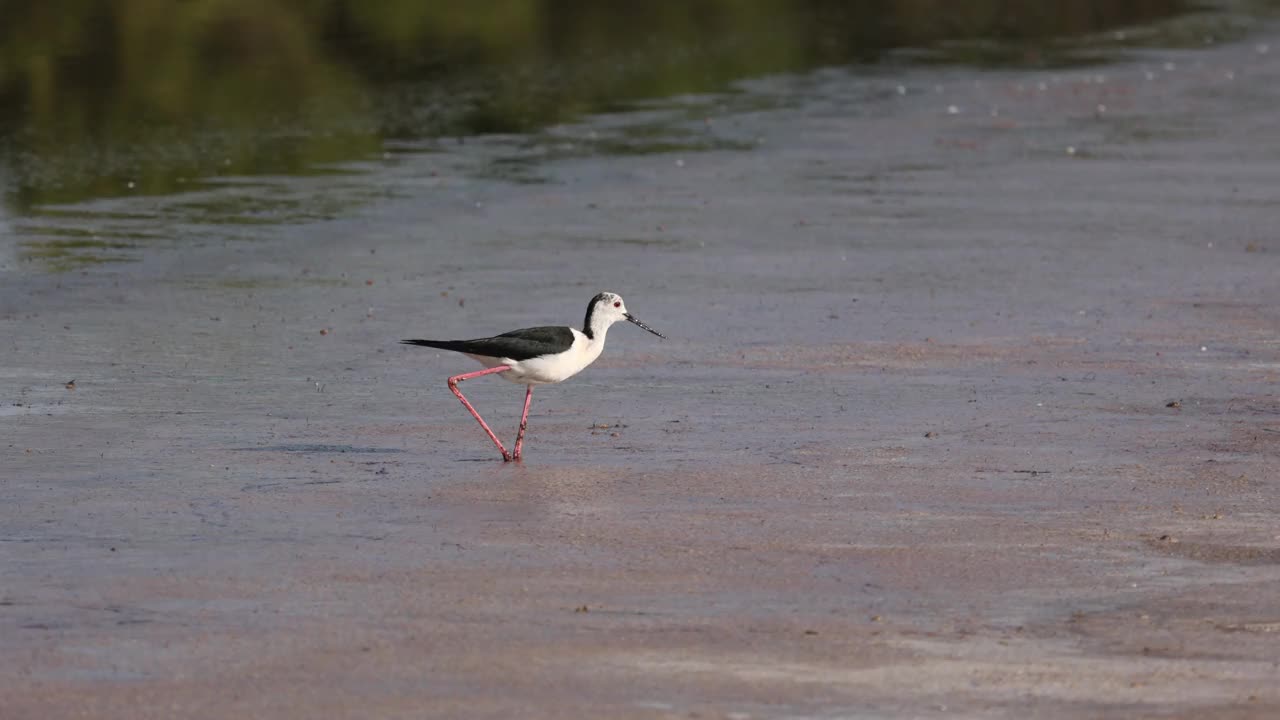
(617, 304)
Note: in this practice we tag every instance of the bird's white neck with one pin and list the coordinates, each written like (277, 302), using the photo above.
(598, 328)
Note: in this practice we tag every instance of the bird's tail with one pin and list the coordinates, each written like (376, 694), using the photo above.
(454, 345)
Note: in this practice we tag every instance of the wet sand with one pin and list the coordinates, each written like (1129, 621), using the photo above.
(968, 410)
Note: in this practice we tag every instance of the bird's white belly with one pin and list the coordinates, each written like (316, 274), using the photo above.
(543, 370)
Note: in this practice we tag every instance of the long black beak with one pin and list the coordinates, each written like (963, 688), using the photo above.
(632, 318)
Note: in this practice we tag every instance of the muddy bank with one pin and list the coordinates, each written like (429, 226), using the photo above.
(968, 408)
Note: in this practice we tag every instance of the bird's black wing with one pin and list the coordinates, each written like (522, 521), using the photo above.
(516, 345)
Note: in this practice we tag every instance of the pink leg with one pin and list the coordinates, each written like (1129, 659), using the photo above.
(453, 385)
(524, 422)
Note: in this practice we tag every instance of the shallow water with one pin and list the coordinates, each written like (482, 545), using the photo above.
(968, 406)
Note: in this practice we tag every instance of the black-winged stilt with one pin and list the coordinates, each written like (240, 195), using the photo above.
(537, 356)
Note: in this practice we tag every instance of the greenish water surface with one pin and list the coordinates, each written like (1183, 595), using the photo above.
(101, 99)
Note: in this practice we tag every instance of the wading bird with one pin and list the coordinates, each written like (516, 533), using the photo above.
(537, 356)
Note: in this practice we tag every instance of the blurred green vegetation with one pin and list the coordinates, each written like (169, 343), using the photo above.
(98, 94)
